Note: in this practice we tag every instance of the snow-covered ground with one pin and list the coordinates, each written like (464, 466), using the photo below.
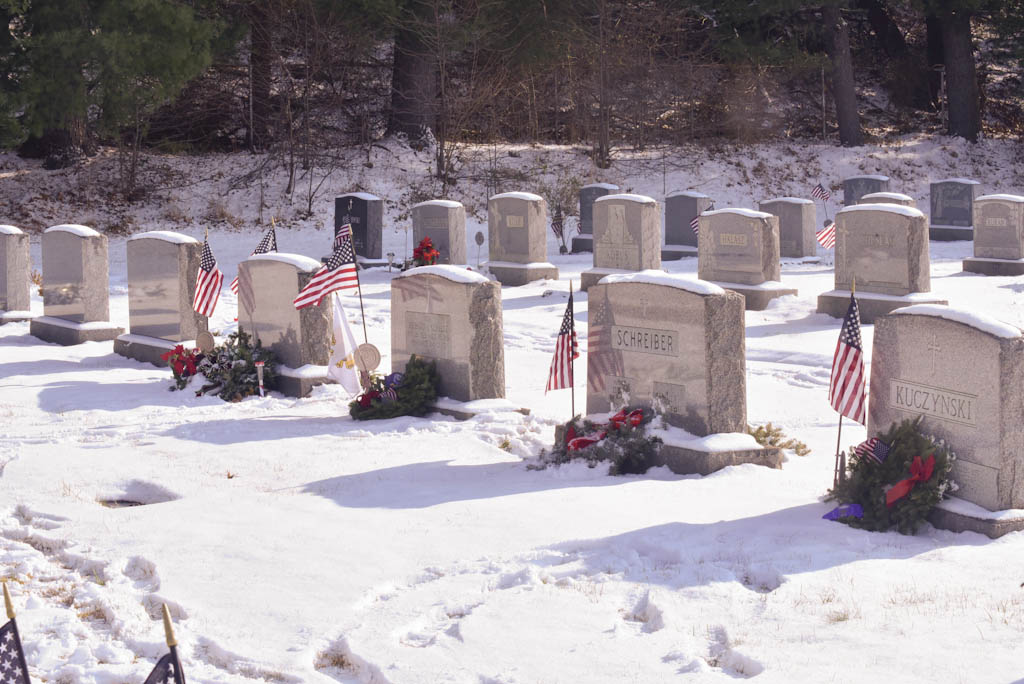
(294, 544)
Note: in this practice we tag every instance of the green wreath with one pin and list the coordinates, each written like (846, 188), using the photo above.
(230, 369)
(628, 447)
(867, 482)
(413, 395)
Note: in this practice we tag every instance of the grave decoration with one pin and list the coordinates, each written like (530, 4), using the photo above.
(623, 441)
(411, 393)
(231, 370)
(899, 490)
(184, 364)
(425, 254)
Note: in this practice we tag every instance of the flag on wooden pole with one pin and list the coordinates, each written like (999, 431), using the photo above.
(208, 282)
(342, 364)
(13, 668)
(566, 350)
(847, 389)
(267, 244)
(168, 669)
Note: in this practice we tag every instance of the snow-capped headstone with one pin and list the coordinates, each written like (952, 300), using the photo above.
(964, 372)
(584, 242)
(797, 225)
(452, 316)
(162, 269)
(952, 208)
(444, 222)
(15, 263)
(885, 248)
(76, 282)
(856, 187)
(365, 213)
(627, 237)
(676, 344)
(887, 198)
(517, 238)
(300, 339)
(680, 210)
(739, 250)
(998, 236)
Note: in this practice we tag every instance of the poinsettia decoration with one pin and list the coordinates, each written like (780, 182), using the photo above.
(183, 363)
(425, 254)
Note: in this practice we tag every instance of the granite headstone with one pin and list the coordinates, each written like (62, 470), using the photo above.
(856, 187)
(887, 198)
(584, 242)
(627, 236)
(15, 263)
(680, 209)
(365, 213)
(998, 235)
(517, 238)
(444, 222)
(952, 208)
(797, 225)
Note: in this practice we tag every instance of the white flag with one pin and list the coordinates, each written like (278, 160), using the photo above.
(342, 366)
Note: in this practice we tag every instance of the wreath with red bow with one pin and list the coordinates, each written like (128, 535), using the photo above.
(623, 441)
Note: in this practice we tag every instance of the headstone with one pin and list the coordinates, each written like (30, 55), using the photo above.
(627, 237)
(885, 248)
(680, 209)
(584, 242)
(76, 281)
(14, 279)
(856, 187)
(517, 224)
(998, 236)
(300, 339)
(952, 208)
(797, 225)
(452, 316)
(444, 222)
(365, 213)
(678, 345)
(964, 372)
(739, 250)
(162, 268)
(887, 198)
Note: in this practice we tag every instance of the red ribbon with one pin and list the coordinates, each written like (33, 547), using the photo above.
(919, 472)
(617, 421)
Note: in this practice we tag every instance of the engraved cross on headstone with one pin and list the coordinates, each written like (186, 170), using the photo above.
(645, 302)
(934, 348)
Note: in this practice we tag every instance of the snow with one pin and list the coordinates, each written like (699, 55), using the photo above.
(767, 285)
(80, 231)
(299, 261)
(652, 277)
(477, 405)
(7, 315)
(912, 297)
(876, 177)
(515, 264)
(968, 181)
(360, 195)
(963, 507)
(749, 213)
(794, 200)
(603, 186)
(166, 236)
(975, 319)
(528, 196)
(891, 208)
(10, 230)
(687, 193)
(887, 195)
(456, 274)
(307, 371)
(155, 341)
(74, 325)
(451, 204)
(722, 441)
(626, 197)
(1003, 197)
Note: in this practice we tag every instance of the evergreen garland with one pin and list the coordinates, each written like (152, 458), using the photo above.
(415, 394)
(867, 481)
(230, 369)
(629, 448)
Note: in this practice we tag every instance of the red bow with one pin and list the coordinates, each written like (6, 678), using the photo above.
(919, 472)
(620, 418)
(634, 418)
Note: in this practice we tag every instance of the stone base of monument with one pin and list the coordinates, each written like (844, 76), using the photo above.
(950, 233)
(15, 316)
(466, 410)
(758, 297)
(994, 267)
(582, 243)
(677, 252)
(364, 262)
(835, 303)
(67, 333)
(513, 274)
(687, 454)
(958, 515)
(299, 382)
(147, 349)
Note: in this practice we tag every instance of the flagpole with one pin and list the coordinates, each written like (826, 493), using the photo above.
(839, 434)
(572, 363)
(8, 603)
(172, 642)
(359, 287)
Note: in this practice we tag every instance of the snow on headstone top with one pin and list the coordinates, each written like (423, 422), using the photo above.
(11, 230)
(794, 200)
(360, 195)
(654, 277)
(74, 229)
(887, 195)
(894, 208)
(299, 261)
(603, 186)
(528, 196)
(981, 321)
(1002, 196)
(966, 181)
(627, 197)
(876, 177)
(749, 213)
(455, 274)
(687, 193)
(451, 204)
(166, 236)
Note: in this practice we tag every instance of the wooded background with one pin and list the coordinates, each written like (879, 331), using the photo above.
(300, 78)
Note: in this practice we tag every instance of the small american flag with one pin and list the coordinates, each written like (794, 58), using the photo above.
(695, 225)
(388, 394)
(339, 273)
(13, 669)
(267, 244)
(819, 192)
(167, 671)
(847, 386)
(208, 282)
(874, 448)
(343, 233)
(827, 236)
(566, 349)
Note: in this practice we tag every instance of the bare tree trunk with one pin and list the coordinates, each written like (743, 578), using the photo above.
(413, 80)
(961, 76)
(837, 42)
(261, 55)
(936, 57)
(602, 156)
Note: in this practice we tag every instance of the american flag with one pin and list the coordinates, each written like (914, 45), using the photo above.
(566, 349)
(695, 223)
(342, 233)
(267, 244)
(874, 448)
(208, 282)
(846, 389)
(167, 671)
(13, 669)
(602, 360)
(827, 236)
(339, 273)
(819, 192)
